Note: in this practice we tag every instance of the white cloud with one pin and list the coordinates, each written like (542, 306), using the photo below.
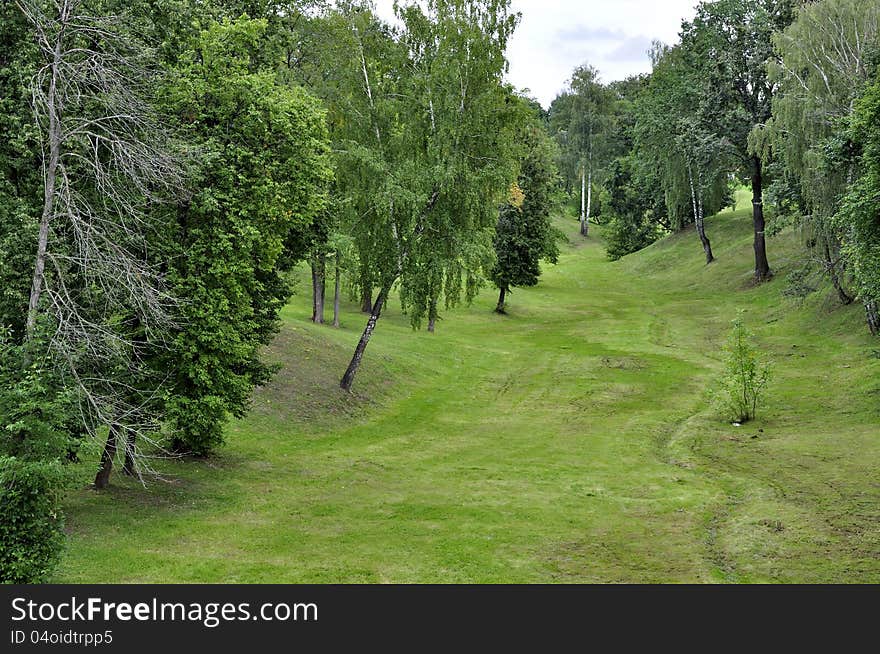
(557, 35)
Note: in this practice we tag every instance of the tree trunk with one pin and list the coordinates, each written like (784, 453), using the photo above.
(348, 377)
(707, 246)
(432, 316)
(102, 479)
(366, 299)
(51, 173)
(589, 190)
(314, 289)
(699, 220)
(583, 201)
(762, 267)
(501, 296)
(336, 294)
(831, 268)
(318, 283)
(873, 315)
(129, 467)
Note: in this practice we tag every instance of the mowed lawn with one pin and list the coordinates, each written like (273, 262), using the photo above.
(573, 440)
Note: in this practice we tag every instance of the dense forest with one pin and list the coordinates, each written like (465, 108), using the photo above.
(170, 169)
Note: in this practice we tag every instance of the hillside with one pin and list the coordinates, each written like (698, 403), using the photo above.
(570, 441)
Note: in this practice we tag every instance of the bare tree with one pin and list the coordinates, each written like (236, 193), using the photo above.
(105, 162)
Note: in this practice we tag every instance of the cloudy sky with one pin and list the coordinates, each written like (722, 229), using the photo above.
(557, 35)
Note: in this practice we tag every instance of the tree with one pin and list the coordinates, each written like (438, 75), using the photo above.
(823, 63)
(524, 235)
(730, 42)
(635, 209)
(105, 159)
(672, 132)
(432, 174)
(580, 117)
(859, 215)
(262, 177)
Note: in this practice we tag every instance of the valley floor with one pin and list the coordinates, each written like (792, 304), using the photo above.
(572, 440)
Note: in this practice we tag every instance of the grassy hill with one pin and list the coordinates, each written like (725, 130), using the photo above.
(570, 441)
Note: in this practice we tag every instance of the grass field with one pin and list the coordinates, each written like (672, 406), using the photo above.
(570, 441)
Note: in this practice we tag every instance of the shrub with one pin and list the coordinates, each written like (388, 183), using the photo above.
(745, 375)
(31, 535)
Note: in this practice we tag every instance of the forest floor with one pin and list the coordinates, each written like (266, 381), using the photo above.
(573, 440)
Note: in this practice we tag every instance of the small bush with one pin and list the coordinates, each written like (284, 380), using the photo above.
(31, 535)
(745, 375)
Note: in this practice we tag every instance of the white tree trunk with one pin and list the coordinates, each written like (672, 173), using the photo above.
(589, 199)
(583, 198)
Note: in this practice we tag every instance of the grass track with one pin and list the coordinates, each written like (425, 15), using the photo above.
(570, 441)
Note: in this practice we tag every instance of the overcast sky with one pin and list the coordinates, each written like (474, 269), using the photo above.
(557, 35)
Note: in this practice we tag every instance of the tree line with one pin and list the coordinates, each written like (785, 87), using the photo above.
(777, 95)
(167, 166)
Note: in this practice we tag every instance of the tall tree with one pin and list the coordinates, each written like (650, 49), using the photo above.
(524, 234)
(731, 41)
(440, 157)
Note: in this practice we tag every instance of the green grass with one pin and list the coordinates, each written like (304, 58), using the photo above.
(570, 441)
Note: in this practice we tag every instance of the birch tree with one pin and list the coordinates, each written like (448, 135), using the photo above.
(439, 158)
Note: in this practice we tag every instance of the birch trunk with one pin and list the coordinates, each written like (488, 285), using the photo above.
(348, 377)
(873, 316)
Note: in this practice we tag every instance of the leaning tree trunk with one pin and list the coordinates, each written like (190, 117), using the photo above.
(699, 218)
(102, 479)
(762, 267)
(348, 377)
(873, 316)
(502, 294)
(831, 268)
(336, 294)
(583, 201)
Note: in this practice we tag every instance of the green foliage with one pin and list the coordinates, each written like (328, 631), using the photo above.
(35, 417)
(635, 208)
(31, 536)
(524, 235)
(36, 410)
(745, 374)
(261, 181)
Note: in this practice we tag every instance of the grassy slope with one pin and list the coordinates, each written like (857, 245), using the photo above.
(569, 441)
